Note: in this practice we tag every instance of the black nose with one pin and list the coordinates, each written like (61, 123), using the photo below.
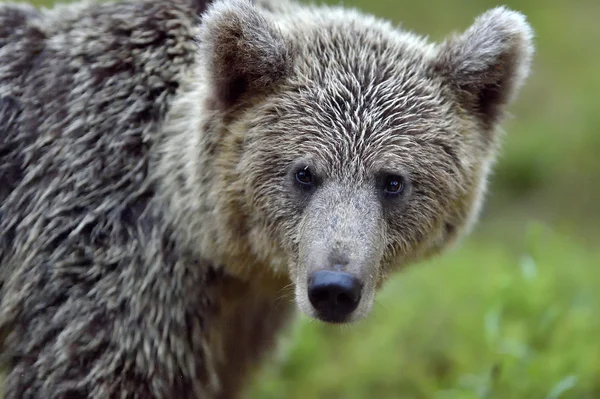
(334, 295)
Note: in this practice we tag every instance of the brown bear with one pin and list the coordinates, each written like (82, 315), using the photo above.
(167, 170)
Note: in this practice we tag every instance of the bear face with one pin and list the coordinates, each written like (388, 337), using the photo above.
(347, 148)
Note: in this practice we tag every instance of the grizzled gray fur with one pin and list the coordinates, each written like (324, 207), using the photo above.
(168, 172)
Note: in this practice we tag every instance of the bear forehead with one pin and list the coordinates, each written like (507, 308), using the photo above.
(350, 129)
(362, 113)
(360, 95)
(363, 78)
(351, 41)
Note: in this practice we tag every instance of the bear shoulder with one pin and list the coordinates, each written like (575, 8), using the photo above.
(83, 88)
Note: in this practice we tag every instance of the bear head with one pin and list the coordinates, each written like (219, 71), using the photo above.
(347, 148)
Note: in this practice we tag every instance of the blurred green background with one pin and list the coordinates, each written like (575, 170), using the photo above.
(514, 311)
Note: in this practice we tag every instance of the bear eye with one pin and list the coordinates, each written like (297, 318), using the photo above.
(393, 185)
(304, 177)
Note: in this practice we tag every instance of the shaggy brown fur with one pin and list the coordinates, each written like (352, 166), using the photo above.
(149, 212)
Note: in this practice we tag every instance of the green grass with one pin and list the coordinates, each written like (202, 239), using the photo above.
(485, 321)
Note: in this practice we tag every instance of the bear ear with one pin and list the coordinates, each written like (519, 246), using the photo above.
(488, 63)
(243, 51)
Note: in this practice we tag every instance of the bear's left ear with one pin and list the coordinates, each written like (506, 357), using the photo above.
(488, 63)
(242, 50)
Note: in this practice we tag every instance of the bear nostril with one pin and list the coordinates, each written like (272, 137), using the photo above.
(334, 295)
(320, 297)
(343, 298)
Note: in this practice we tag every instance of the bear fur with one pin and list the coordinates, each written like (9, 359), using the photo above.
(149, 217)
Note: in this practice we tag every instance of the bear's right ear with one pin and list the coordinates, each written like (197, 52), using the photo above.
(242, 50)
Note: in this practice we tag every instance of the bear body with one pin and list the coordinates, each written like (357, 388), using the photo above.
(169, 172)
